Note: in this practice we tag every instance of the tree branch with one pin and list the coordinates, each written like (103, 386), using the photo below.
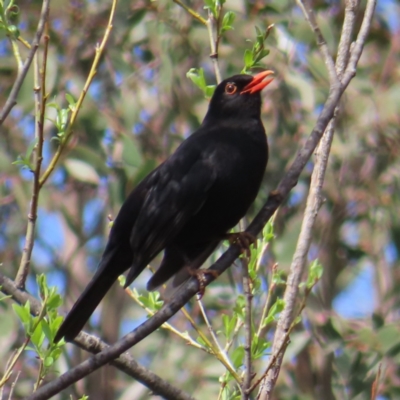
(94, 345)
(40, 107)
(12, 98)
(213, 27)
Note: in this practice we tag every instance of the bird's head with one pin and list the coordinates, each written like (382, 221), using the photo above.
(238, 96)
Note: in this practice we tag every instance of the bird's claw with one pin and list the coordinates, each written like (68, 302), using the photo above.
(200, 274)
(243, 240)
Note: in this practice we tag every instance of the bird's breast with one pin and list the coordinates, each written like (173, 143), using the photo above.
(239, 164)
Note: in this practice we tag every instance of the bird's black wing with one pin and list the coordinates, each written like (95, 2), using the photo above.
(179, 189)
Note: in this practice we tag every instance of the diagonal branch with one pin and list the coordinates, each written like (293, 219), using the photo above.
(125, 362)
(12, 98)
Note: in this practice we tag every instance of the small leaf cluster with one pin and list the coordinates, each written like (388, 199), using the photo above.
(151, 300)
(315, 271)
(234, 324)
(62, 117)
(253, 57)
(9, 12)
(25, 160)
(197, 77)
(41, 329)
(227, 22)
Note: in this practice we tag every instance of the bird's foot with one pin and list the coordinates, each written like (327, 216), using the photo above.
(242, 239)
(200, 275)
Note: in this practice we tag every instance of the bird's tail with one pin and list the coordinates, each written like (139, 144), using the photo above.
(85, 305)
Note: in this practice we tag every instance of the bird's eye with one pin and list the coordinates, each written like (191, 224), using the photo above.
(230, 88)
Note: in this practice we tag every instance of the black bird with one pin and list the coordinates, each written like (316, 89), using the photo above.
(187, 205)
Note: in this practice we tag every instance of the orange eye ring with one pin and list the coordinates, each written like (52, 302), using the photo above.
(230, 88)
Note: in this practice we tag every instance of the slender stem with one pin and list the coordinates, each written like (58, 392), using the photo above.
(17, 54)
(218, 350)
(12, 98)
(74, 114)
(212, 27)
(247, 330)
(323, 47)
(193, 13)
(265, 309)
(40, 106)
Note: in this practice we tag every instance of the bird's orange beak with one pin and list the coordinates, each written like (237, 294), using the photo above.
(258, 83)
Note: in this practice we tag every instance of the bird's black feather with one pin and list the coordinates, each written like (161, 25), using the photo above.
(187, 204)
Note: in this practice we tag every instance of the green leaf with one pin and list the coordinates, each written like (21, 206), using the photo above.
(240, 306)
(248, 58)
(315, 271)
(227, 22)
(268, 232)
(14, 31)
(38, 336)
(22, 314)
(71, 101)
(54, 301)
(237, 357)
(47, 330)
(263, 53)
(197, 77)
(276, 308)
(30, 149)
(210, 89)
(229, 325)
(201, 341)
(259, 347)
(48, 361)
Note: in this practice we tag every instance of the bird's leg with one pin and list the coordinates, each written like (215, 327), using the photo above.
(242, 239)
(200, 275)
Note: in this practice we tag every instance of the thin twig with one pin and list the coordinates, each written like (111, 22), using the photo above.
(13, 385)
(217, 349)
(17, 54)
(375, 385)
(40, 106)
(12, 98)
(322, 45)
(92, 73)
(213, 28)
(94, 345)
(248, 374)
(193, 13)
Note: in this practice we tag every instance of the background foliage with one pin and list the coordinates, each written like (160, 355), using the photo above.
(140, 106)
